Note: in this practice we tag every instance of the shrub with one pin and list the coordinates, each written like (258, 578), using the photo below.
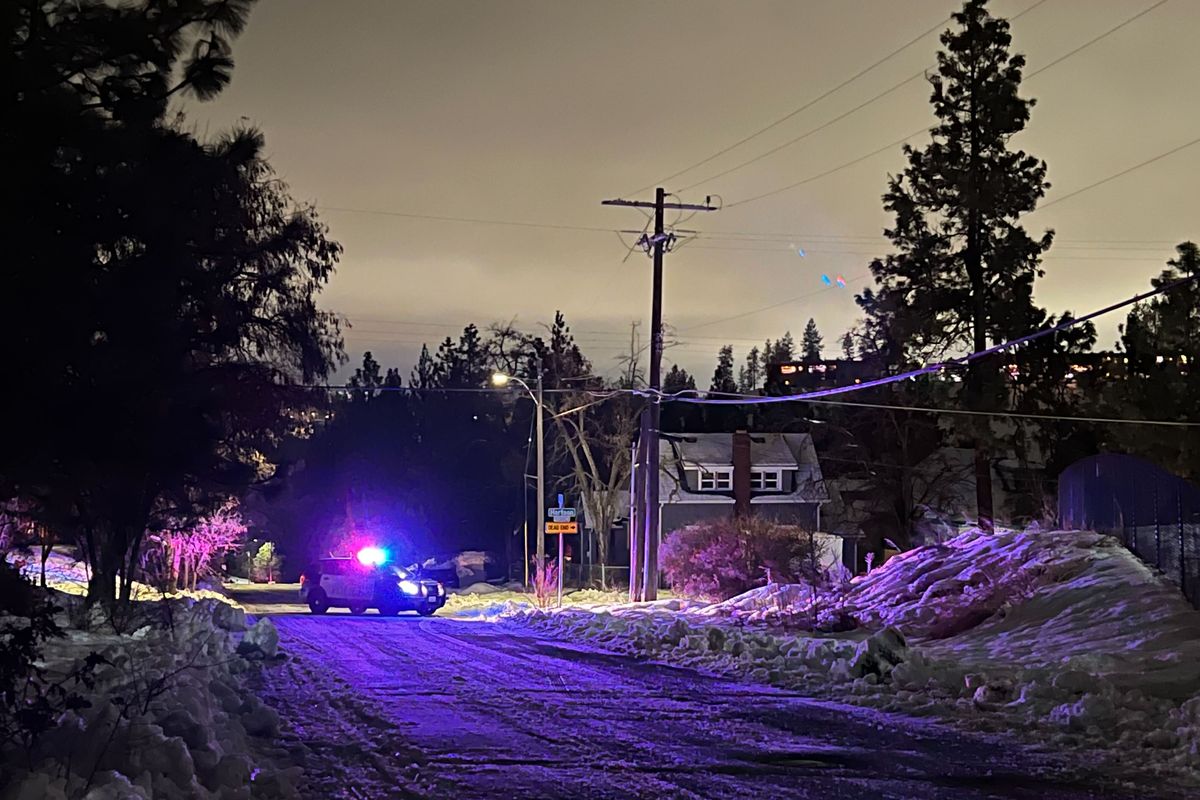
(719, 559)
(545, 583)
(30, 700)
(264, 566)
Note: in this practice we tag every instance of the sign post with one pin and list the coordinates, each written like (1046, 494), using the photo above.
(561, 520)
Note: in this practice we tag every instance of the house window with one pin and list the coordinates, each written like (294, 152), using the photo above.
(715, 480)
(765, 480)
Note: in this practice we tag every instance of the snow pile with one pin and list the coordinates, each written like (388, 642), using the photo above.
(68, 575)
(478, 588)
(1064, 635)
(495, 602)
(168, 716)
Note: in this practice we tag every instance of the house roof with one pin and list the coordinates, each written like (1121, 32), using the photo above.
(716, 449)
(791, 451)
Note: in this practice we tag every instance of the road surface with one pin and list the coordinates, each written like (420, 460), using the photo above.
(409, 707)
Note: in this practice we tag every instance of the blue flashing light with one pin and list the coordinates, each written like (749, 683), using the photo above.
(372, 556)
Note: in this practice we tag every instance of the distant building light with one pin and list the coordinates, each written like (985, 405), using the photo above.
(1158, 359)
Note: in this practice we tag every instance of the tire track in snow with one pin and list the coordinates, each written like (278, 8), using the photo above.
(496, 711)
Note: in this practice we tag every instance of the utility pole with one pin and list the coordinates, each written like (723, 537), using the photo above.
(650, 468)
(541, 477)
(637, 501)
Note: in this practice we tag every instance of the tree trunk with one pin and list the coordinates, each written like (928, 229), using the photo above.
(45, 558)
(979, 316)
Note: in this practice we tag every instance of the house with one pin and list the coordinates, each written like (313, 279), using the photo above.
(708, 476)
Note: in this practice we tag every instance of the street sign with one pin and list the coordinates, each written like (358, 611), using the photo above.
(562, 527)
(561, 514)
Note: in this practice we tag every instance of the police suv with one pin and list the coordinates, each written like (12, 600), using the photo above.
(351, 583)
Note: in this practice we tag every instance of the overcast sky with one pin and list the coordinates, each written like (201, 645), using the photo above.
(536, 111)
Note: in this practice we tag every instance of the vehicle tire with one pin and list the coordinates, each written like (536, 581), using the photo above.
(318, 603)
(426, 611)
(389, 609)
(358, 611)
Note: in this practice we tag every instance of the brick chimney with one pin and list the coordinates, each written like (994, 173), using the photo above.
(741, 474)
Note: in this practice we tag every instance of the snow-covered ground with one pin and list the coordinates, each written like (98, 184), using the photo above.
(168, 715)
(1064, 636)
(451, 708)
(67, 574)
(482, 598)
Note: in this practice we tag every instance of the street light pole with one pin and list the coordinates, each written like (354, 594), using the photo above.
(500, 379)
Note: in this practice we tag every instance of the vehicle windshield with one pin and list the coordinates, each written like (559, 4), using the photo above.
(399, 572)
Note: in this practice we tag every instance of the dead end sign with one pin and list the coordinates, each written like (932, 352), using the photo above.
(562, 527)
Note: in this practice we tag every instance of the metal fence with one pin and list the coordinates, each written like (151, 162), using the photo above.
(1156, 514)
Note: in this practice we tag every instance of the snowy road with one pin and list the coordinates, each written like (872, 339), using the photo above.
(487, 711)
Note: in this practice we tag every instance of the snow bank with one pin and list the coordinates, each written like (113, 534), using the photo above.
(478, 588)
(68, 575)
(168, 718)
(1063, 635)
(495, 601)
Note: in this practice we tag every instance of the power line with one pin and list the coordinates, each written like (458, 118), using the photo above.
(1116, 175)
(789, 301)
(806, 134)
(857, 253)
(708, 235)
(470, 220)
(941, 365)
(1012, 414)
(1092, 41)
(802, 108)
(828, 172)
(416, 389)
(610, 393)
(899, 142)
(858, 108)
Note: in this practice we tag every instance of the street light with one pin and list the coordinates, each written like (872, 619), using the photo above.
(499, 379)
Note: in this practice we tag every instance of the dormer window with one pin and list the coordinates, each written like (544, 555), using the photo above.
(765, 480)
(712, 480)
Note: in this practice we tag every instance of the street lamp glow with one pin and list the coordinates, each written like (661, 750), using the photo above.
(499, 379)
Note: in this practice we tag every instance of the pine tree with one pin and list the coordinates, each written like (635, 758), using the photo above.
(810, 342)
(366, 377)
(750, 375)
(848, 346)
(963, 271)
(678, 380)
(784, 350)
(722, 380)
(460, 365)
(765, 356)
(1161, 338)
(425, 374)
(1169, 324)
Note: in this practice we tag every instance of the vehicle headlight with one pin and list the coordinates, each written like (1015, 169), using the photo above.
(410, 587)
(441, 589)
